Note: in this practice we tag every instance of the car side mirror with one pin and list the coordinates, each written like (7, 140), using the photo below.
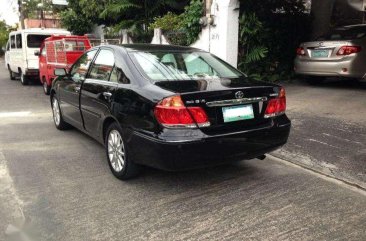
(37, 53)
(60, 72)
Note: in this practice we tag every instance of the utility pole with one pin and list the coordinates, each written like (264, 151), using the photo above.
(21, 14)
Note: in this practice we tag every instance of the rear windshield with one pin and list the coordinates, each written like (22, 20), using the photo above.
(346, 34)
(35, 40)
(173, 66)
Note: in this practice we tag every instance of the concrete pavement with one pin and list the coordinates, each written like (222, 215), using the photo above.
(328, 129)
(61, 183)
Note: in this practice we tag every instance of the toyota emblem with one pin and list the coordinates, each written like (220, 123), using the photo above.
(239, 94)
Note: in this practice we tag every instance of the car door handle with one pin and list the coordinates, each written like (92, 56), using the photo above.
(107, 95)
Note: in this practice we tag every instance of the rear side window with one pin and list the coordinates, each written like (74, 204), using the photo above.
(102, 66)
(346, 33)
(35, 40)
(18, 41)
(12, 41)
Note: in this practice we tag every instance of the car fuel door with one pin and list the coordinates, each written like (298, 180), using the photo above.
(98, 92)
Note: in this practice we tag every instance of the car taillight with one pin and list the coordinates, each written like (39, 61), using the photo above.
(276, 106)
(300, 51)
(347, 50)
(171, 112)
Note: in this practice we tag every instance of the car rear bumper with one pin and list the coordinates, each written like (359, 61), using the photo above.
(32, 72)
(340, 68)
(207, 151)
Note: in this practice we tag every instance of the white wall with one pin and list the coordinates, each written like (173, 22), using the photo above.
(221, 38)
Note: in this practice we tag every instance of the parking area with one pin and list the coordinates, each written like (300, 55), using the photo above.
(328, 129)
(60, 183)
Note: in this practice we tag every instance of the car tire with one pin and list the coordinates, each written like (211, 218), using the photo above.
(11, 74)
(46, 87)
(23, 78)
(117, 153)
(57, 115)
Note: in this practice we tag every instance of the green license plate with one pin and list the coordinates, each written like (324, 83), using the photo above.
(320, 53)
(237, 113)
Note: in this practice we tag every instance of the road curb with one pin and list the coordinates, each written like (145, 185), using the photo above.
(343, 182)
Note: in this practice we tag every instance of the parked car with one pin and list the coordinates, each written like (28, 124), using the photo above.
(342, 53)
(19, 55)
(168, 107)
(59, 51)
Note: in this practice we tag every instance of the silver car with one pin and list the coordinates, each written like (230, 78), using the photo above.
(342, 53)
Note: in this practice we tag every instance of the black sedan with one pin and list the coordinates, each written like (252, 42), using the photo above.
(168, 107)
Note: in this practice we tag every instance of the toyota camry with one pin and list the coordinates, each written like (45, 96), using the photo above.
(168, 107)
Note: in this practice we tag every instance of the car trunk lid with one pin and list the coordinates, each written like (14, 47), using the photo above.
(230, 104)
(325, 50)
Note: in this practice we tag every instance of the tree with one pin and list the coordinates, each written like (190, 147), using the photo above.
(137, 14)
(4, 34)
(76, 22)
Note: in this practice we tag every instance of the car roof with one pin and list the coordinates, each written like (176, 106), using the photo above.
(151, 47)
(43, 31)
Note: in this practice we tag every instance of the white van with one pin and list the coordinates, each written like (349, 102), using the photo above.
(19, 56)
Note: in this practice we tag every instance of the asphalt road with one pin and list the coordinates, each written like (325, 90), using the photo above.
(61, 184)
(328, 129)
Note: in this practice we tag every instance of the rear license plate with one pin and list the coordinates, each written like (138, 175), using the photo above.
(322, 53)
(236, 113)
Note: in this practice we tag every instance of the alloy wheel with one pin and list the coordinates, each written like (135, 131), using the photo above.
(116, 151)
(56, 112)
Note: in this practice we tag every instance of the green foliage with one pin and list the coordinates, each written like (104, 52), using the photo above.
(4, 34)
(134, 15)
(191, 20)
(181, 29)
(168, 22)
(137, 15)
(75, 23)
(270, 31)
(251, 36)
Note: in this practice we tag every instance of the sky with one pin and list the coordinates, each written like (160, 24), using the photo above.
(8, 11)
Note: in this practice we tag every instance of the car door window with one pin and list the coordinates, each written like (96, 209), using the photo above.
(118, 76)
(12, 41)
(102, 67)
(18, 41)
(80, 68)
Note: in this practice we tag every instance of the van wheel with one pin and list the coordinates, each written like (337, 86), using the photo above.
(11, 74)
(23, 79)
(46, 87)
(118, 157)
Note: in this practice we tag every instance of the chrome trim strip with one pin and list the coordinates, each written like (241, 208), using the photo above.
(274, 114)
(235, 101)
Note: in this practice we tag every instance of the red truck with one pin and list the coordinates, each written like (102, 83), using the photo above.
(59, 51)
